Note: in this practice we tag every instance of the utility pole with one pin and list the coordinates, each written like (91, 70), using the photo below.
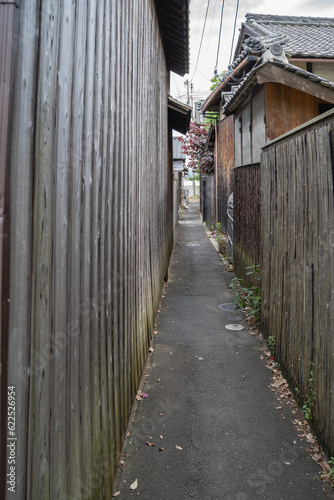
(186, 84)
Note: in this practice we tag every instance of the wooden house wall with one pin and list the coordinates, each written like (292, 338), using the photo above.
(91, 216)
(250, 130)
(247, 219)
(224, 166)
(298, 262)
(287, 108)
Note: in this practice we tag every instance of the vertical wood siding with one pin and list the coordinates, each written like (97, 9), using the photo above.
(208, 199)
(91, 192)
(225, 164)
(298, 262)
(287, 108)
(8, 54)
(247, 219)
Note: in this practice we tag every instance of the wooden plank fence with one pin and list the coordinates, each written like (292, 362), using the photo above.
(208, 199)
(91, 200)
(298, 261)
(224, 168)
(247, 219)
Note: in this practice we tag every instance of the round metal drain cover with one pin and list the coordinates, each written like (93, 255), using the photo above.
(234, 327)
(234, 318)
(227, 307)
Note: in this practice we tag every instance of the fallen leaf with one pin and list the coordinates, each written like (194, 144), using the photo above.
(161, 449)
(325, 466)
(121, 462)
(134, 485)
(127, 434)
(161, 436)
(151, 349)
(150, 444)
(178, 447)
(287, 463)
(144, 395)
(138, 398)
(116, 494)
(161, 414)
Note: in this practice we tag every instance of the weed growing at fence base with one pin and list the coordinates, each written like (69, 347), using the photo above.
(248, 298)
(331, 463)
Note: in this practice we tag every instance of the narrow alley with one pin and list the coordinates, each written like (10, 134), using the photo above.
(208, 426)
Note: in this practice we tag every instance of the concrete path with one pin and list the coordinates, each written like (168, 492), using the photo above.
(218, 430)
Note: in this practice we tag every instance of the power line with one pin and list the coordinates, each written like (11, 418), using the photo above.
(213, 18)
(219, 36)
(205, 76)
(235, 23)
(200, 45)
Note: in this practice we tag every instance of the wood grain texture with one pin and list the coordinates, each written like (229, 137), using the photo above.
(225, 164)
(93, 228)
(247, 219)
(21, 190)
(298, 262)
(287, 108)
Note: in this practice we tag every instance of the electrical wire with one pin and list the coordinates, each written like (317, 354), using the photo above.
(200, 45)
(205, 76)
(235, 23)
(213, 18)
(219, 36)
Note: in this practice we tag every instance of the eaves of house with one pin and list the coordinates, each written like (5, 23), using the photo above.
(179, 115)
(174, 24)
(275, 71)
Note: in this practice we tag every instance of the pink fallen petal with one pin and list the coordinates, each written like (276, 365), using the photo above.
(144, 395)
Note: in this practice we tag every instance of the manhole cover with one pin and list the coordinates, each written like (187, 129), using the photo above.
(227, 307)
(234, 327)
(234, 318)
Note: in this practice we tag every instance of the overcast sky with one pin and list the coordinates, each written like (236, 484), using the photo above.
(208, 54)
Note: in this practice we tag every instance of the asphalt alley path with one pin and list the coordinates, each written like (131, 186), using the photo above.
(210, 413)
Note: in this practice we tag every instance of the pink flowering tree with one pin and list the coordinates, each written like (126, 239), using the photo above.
(193, 145)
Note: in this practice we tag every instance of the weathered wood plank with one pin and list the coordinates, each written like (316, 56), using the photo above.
(86, 228)
(299, 280)
(42, 293)
(102, 233)
(62, 161)
(21, 232)
(76, 446)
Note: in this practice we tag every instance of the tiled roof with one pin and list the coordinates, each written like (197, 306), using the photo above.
(300, 36)
(308, 37)
(286, 66)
